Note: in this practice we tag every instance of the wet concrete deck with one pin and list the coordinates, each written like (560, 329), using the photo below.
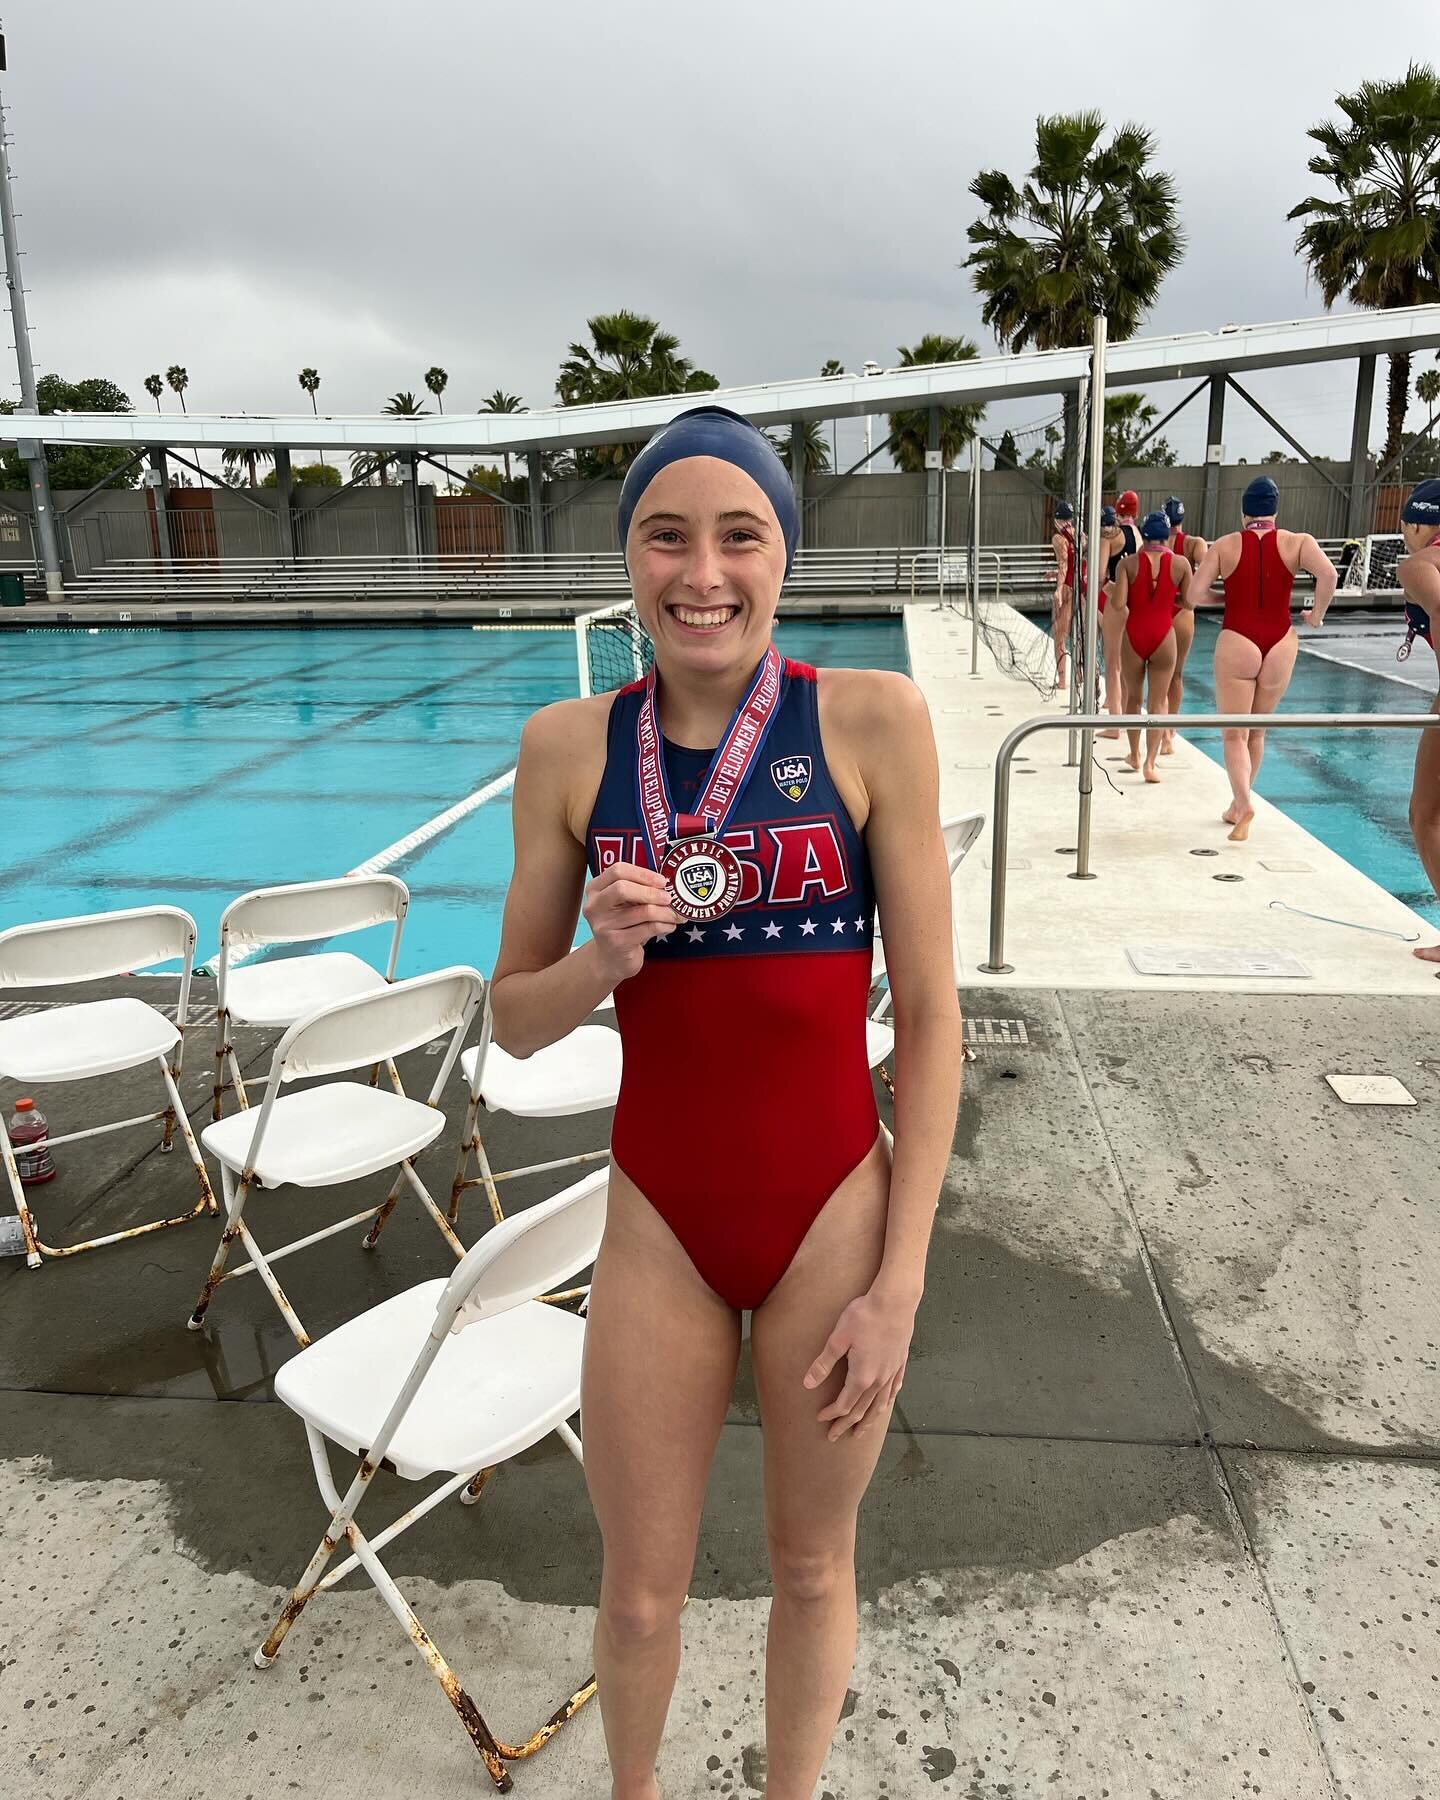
(1157, 1515)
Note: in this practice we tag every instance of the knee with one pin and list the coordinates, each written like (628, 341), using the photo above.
(1424, 816)
(634, 1616)
(811, 1573)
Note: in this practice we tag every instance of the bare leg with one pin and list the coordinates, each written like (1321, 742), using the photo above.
(1132, 691)
(1112, 626)
(1237, 671)
(1276, 668)
(1060, 631)
(660, 1356)
(1425, 816)
(1184, 638)
(813, 1488)
(1161, 670)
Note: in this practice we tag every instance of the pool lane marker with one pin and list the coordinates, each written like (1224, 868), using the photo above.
(396, 852)
(402, 847)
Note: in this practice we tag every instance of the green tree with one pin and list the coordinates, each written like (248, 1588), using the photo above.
(628, 358)
(179, 380)
(1278, 456)
(309, 380)
(501, 402)
(1007, 456)
(1127, 418)
(73, 467)
(1377, 242)
(154, 387)
(1090, 225)
(910, 429)
(316, 474)
(817, 451)
(366, 465)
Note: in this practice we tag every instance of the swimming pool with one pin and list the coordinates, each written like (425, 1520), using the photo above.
(1349, 789)
(187, 766)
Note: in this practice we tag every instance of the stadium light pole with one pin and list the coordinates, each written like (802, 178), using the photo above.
(33, 452)
(1094, 483)
(31, 449)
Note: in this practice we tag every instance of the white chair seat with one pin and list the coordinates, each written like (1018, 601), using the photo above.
(492, 1391)
(879, 1041)
(279, 993)
(327, 1134)
(579, 1074)
(95, 1037)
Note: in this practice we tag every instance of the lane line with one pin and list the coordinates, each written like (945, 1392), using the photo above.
(392, 853)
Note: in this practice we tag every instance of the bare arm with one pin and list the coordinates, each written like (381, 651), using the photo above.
(1420, 582)
(912, 881)
(1057, 544)
(1315, 562)
(1207, 573)
(542, 988)
(1120, 587)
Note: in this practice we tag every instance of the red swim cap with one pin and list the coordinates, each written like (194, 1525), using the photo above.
(1128, 503)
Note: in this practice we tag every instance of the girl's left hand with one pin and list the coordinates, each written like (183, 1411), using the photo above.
(873, 1336)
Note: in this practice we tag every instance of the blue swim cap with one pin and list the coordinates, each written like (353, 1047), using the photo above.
(1108, 515)
(1261, 499)
(1175, 510)
(718, 432)
(1064, 511)
(1423, 504)
(1155, 528)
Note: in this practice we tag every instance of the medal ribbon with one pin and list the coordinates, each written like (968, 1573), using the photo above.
(730, 768)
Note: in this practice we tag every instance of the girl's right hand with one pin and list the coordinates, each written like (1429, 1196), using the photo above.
(625, 907)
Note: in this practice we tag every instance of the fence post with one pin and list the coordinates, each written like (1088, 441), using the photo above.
(1357, 522)
(1214, 430)
(284, 519)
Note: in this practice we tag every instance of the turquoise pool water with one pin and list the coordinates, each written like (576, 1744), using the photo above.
(188, 766)
(1349, 789)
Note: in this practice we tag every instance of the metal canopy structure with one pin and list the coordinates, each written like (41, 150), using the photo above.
(1192, 356)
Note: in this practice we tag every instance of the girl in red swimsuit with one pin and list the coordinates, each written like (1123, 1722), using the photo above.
(1192, 548)
(748, 1170)
(1151, 587)
(1419, 572)
(1256, 649)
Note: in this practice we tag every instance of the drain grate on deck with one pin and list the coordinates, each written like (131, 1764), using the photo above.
(1012, 1034)
(1215, 959)
(199, 1015)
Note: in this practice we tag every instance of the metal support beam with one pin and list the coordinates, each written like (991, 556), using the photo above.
(64, 512)
(412, 507)
(1145, 436)
(221, 487)
(284, 516)
(1094, 484)
(537, 502)
(160, 490)
(1214, 437)
(1293, 442)
(932, 477)
(797, 470)
(1357, 521)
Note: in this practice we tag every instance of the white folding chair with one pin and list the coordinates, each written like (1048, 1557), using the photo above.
(98, 1037)
(960, 834)
(578, 1074)
(340, 1130)
(491, 1371)
(280, 993)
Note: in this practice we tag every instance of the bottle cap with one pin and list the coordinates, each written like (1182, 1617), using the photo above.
(24, 1105)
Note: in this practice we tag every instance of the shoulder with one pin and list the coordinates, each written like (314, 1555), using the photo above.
(865, 701)
(566, 735)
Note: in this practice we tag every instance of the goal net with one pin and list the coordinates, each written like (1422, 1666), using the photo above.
(1368, 565)
(612, 648)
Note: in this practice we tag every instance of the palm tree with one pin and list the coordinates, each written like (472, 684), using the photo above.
(154, 387)
(436, 380)
(366, 463)
(179, 380)
(817, 451)
(232, 459)
(1378, 242)
(911, 429)
(829, 371)
(501, 402)
(1091, 226)
(1127, 418)
(310, 380)
(628, 358)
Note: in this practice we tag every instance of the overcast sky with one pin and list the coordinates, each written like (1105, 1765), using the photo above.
(247, 188)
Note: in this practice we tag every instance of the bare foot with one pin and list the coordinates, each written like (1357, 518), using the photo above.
(1132, 759)
(1228, 816)
(1167, 748)
(1241, 826)
(1107, 734)
(1428, 953)
(1151, 772)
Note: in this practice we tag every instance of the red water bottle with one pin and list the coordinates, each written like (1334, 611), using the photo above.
(27, 1127)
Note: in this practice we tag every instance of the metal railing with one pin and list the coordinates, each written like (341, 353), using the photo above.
(1187, 722)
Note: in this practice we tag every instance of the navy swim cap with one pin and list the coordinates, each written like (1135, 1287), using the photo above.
(1064, 510)
(1175, 510)
(1423, 505)
(1261, 499)
(1107, 515)
(718, 432)
(1155, 528)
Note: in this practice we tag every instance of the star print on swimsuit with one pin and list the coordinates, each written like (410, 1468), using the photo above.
(772, 930)
(808, 928)
(734, 931)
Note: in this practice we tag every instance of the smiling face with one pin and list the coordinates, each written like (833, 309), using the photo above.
(707, 558)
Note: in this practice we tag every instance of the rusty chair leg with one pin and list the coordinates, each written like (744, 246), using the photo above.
(234, 1207)
(17, 1193)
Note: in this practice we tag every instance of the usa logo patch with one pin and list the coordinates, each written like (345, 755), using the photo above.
(791, 774)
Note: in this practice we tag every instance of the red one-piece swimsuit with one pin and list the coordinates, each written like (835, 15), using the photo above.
(1151, 614)
(1257, 593)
